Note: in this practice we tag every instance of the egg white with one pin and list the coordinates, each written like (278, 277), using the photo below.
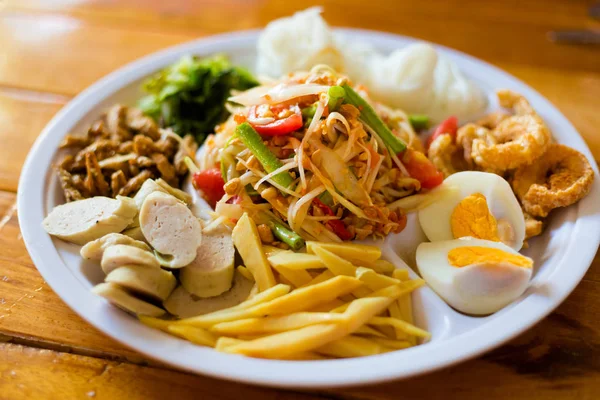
(474, 289)
(502, 203)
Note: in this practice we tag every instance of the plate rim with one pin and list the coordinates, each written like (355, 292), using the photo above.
(274, 373)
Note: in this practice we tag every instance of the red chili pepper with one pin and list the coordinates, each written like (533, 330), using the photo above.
(279, 127)
(336, 225)
(211, 183)
(339, 229)
(449, 125)
(324, 207)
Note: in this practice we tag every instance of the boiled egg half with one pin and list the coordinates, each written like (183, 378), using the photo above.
(482, 206)
(472, 275)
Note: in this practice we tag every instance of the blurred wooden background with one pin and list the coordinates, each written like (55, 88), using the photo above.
(52, 49)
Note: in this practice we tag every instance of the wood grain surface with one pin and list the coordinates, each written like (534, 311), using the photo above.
(50, 50)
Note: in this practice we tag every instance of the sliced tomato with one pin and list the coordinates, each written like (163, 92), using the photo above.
(211, 183)
(449, 125)
(423, 170)
(280, 127)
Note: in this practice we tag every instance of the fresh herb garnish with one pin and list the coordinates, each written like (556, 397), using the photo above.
(189, 96)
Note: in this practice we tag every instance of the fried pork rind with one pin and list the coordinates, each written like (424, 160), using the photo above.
(543, 175)
(560, 177)
(492, 120)
(515, 142)
(120, 151)
(533, 226)
(501, 142)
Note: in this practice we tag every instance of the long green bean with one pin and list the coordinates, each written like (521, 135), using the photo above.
(268, 160)
(370, 117)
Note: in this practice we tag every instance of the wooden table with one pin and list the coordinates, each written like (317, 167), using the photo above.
(51, 50)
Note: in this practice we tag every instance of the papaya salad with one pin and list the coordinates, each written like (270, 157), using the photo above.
(314, 158)
(293, 171)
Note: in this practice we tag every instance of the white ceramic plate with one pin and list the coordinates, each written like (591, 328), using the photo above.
(562, 254)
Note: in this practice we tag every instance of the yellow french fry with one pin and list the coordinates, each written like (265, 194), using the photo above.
(367, 330)
(298, 300)
(338, 266)
(311, 337)
(382, 267)
(247, 338)
(322, 277)
(373, 280)
(401, 289)
(268, 295)
(308, 297)
(307, 355)
(247, 242)
(193, 334)
(224, 342)
(327, 307)
(406, 311)
(401, 274)
(394, 292)
(348, 297)
(291, 260)
(272, 250)
(404, 303)
(281, 345)
(155, 323)
(253, 326)
(398, 324)
(379, 266)
(263, 297)
(394, 310)
(245, 273)
(297, 277)
(392, 344)
(282, 279)
(253, 292)
(405, 306)
(350, 251)
(352, 346)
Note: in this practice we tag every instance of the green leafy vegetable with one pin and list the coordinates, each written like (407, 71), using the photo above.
(189, 96)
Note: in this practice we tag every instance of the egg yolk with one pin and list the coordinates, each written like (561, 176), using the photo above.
(469, 255)
(472, 217)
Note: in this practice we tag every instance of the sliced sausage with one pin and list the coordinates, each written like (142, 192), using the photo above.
(121, 254)
(126, 301)
(85, 220)
(171, 229)
(148, 282)
(211, 272)
(95, 249)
